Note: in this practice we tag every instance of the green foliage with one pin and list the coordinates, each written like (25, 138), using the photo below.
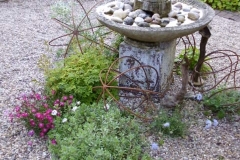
(118, 39)
(62, 11)
(78, 74)
(192, 55)
(232, 5)
(176, 127)
(224, 103)
(92, 133)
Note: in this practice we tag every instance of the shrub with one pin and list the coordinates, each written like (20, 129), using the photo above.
(90, 132)
(232, 5)
(169, 124)
(78, 75)
(224, 103)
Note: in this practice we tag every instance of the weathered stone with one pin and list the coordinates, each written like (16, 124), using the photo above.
(117, 19)
(127, 7)
(108, 10)
(158, 55)
(142, 15)
(143, 24)
(138, 20)
(164, 22)
(186, 8)
(133, 14)
(128, 21)
(172, 14)
(156, 15)
(193, 16)
(162, 7)
(120, 14)
(156, 21)
(178, 5)
(155, 26)
(148, 19)
(181, 18)
(119, 5)
(195, 10)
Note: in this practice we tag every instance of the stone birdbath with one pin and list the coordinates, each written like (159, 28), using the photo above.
(152, 40)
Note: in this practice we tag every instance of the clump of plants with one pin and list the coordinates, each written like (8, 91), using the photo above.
(169, 123)
(91, 132)
(223, 102)
(78, 74)
(192, 54)
(38, 112)
(232, 5)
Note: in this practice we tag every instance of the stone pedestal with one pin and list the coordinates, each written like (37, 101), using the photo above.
(158, 55)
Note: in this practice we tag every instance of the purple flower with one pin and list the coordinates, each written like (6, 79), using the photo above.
(31, 133)
(53, 141)
(61, 103)
(71, 97)
(30, 143)
(40, 125)
(38, 96)
(154, 146)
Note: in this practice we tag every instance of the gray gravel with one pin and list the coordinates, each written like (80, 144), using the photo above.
(25, 25)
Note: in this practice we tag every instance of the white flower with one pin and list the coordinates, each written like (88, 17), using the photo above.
(215, 122)
(154, 146)
(64, 120)
(199, 96)
(54, 112)
(107, 107)
(167, 124)
(208, 124)
(74, 108)
(78, 103)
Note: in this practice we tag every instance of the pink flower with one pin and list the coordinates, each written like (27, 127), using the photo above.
(30, 143)
(44, 130)
(40, 125)
(17, 108)
(38, 96)
(34, 110)
(45, 105)
(32, 123)
(61, 103)
(71, 97)
(49, 111)
(53, 141)
(38, 115)
(42, 134)
(64, 98)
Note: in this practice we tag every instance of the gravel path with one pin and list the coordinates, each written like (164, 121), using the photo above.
(25, 25)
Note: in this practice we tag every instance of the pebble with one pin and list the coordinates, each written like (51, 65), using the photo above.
(132, 14)
(193, 16)
(142, 15)
(119, 5)
(156, 21)
(143, 24)
(164, 22)
(195, 10)
(120, 14)
(155, 26)
(108, 10)
(117, 19)
(139, 11)
(127, 7)
(156, 15)
(186, 8)
(128, 21)
(138, 20)
(181, 18)
(148, 19)
(172, 14)
(178, 5)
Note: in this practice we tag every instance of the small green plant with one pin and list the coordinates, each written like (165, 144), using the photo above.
(232, 5)
(192, 55)
(78, 75)
(224, 102)
(90, 132)
(62, 11)
(169, 124)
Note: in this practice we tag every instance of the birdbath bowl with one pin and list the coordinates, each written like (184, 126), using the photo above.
(153, 45)
(163, 34)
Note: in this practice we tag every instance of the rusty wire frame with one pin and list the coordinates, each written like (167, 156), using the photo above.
(145, 96)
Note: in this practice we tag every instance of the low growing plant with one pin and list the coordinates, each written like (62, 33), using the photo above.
(169, 124)
(38, 112)
(78, 75)
(224, 103)
(232, 5)
(89, 132)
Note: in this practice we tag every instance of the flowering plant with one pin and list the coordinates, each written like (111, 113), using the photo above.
(38, 112)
